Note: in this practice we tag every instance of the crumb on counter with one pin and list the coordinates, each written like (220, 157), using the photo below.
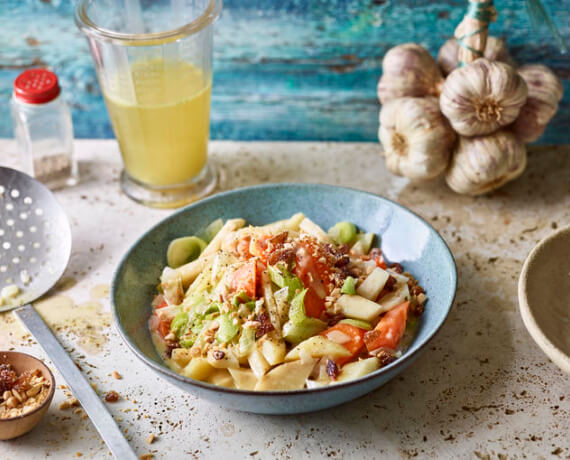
(146, 456)
(117, 376)
(69, 403)
(151, 438)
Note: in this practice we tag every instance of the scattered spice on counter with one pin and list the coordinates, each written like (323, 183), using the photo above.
(86, 321)
(112, 396)
(117, 376)
(22, 393)
(151, 438)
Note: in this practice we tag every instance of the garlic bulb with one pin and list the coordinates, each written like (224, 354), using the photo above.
(495, 50)
(483, 163)
(409, 71)
(482, 97)
(544, 93)
(417, 139)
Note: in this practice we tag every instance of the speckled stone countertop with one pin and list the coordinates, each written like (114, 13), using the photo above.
(483, 389)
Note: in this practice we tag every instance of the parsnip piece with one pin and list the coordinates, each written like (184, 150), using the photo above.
(181, 356)
(188, 272)
(258, 363)
(315, 383)
(231, 225)
(270, 303)
(284, 225)
(355, 306)
(273, 348)
(316, 347)
(222, 260)
(395, 298)
(282, 302)
(172, 286)
(358, 369)
(198, 369)
(288, 376)
(222, 359)
(309, 227)
(222, 378)
(244, 379)
(373, 284)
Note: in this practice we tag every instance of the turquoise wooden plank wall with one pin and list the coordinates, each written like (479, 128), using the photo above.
(289, 69)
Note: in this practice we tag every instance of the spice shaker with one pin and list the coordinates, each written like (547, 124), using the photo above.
(43, 128)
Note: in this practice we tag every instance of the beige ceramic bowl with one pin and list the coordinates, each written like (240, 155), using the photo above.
(544, 296)
(17, 426)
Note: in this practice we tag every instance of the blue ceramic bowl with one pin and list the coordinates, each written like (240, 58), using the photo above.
(404, 238)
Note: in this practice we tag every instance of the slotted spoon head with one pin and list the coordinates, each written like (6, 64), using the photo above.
(35, 237)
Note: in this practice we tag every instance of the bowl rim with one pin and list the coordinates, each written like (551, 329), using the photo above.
(404, 359)
(559, 357)
(50, 395)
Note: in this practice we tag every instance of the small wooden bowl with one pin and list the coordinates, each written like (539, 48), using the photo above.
(17, 426)
(544, 290)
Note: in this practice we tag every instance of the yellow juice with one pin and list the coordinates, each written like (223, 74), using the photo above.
(161, 120)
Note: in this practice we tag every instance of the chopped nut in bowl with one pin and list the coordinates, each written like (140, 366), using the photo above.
(26, 389)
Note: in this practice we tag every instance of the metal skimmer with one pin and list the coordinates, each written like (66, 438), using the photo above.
(35, 245)
(35, 237)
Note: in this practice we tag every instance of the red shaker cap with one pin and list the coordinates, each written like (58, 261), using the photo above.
(36, 86)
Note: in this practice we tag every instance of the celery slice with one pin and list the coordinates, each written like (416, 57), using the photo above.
(363, 243)
(246, 341)
(227, 330)
(285, 279)
(179, 323)
(300, 326)
(349, 286)
(356, 323)
(212, 230)
(343, 232)
(183, 250)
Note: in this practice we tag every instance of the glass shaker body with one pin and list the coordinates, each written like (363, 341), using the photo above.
(44, 132)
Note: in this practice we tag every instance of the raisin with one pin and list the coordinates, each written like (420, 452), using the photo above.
(334, 319)
(281, 255)
(265, 325)
(385, 358)
(397, 268)
(112, 396)
(417, 290)
(279, 239)
(416, 309)
(332, 369)
(342, 261)
(390, 283)
(388, 287)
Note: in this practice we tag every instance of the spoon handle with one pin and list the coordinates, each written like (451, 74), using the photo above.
(93, 406)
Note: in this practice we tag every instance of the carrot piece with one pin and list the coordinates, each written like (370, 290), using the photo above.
(390, 329)
(244, 279)
(354, 345)
(314, 305)
(243, 247)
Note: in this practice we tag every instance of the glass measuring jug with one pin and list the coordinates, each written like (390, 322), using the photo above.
(154, 64)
